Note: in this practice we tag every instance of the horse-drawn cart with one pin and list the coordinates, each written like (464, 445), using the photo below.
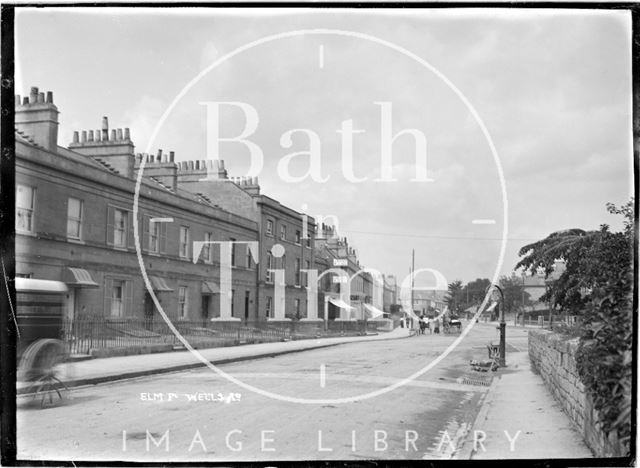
(40, 338)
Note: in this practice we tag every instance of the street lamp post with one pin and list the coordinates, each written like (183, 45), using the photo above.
(503, 326)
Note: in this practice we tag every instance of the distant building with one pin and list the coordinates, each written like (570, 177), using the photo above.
(390, 293)
(537, 285)
(366, 288)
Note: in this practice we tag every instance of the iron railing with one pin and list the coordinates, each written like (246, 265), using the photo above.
(86, 334)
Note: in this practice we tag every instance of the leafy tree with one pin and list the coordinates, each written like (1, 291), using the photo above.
(474, 291)
(453, 297)
(598, 285)
(515, 296)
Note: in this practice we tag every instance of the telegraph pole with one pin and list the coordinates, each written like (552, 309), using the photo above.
(413, 268)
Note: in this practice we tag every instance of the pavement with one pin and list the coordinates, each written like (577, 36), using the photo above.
(520, 408)
(101, 370)
(517, 406)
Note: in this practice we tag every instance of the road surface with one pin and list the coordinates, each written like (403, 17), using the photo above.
(179, 416)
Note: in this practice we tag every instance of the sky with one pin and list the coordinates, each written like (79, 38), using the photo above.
(524, 109)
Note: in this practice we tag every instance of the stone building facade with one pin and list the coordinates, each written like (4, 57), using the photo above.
(278, 225)
(75, 223)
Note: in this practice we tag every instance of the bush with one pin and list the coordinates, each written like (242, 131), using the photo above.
(598, 284)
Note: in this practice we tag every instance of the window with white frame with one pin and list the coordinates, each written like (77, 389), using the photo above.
(184, 242)
(117, 298)
(283, 232)
(269, 227)
(297, 236)
(74, 218)
(269, 277)
(207, 251)
(25, 199)
(183, 301)
(154, 236)
(120, 228)
(269, 306)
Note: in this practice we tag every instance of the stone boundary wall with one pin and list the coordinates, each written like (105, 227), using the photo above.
(553, 357)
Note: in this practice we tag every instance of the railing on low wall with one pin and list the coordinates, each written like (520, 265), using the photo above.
(542, 321)
(84, 335)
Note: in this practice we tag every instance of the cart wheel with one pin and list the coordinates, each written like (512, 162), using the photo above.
(39, 365)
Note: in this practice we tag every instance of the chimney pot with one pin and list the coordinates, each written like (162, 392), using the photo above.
(119, 134)
(33, 96)
(171, 156)
(17, 99)
(40, 97)
(25, 101)
(84, 136)
(76, 137)
(50, 97)
(127, 135)
(90, 135)
(113, 134)
(97, 133)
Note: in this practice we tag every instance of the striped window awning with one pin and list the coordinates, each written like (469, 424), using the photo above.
(340, 303)
(79, 278)
(159, 284)
(210, 288)
(373, 312)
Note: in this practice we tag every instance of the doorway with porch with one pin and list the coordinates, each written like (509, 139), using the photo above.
(149, 311)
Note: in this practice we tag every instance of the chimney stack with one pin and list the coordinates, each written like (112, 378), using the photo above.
(117, 151)
(37, 117)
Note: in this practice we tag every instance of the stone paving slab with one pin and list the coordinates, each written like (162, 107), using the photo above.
(518, 400)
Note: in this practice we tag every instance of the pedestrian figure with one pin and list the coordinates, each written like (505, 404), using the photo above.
(423, 325)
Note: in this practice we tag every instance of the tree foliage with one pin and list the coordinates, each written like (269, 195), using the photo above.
(474, 291)
(515, 296)
(598, 285)
(453, 297)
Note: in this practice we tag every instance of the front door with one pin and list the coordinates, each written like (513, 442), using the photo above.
(71, 305)
(205, 310)
(149, 309)
(246, 305)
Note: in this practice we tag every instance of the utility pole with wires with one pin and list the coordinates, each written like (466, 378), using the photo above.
(413, 268)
